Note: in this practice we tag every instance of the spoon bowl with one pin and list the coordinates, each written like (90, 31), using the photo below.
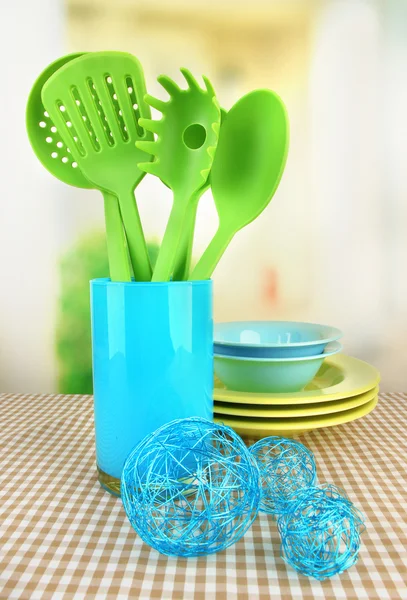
(247, 168)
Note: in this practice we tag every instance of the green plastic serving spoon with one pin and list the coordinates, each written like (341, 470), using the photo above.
(57, 159)
(184, 149)
(184, 252)
(248, 165)
(96, 101)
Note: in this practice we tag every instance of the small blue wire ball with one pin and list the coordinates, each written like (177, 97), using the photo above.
(321, 536)
(286, 466)
(191, 488)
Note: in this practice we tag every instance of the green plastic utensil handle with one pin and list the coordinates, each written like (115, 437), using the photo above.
(135, 236)
(119, 266)
(212, 255)
(184, 251)
(166, 257)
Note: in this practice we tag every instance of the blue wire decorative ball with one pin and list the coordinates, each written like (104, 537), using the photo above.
(321, 536)
(191, 488)
(286, 466)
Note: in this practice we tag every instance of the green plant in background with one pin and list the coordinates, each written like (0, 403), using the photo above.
(85, 261)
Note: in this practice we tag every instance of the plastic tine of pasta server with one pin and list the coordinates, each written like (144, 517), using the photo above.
(56, 157)
(246, 171)
(184, 150)
(96, 102)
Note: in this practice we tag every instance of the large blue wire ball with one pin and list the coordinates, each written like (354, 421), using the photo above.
(191, 488)
(321, 536)
(286, 466)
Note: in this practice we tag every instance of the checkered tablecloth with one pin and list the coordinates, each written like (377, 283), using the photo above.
(63, 536)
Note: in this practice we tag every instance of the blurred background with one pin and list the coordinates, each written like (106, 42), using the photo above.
(330, 248)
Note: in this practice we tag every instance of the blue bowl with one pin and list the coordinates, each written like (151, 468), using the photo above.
(270, 375)
(272, 339)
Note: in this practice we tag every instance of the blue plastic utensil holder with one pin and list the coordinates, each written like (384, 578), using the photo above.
(152, 347)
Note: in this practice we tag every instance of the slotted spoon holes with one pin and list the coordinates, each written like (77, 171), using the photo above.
(134, 104)
(96, 113)
(118, 110)
(125, 105)
(68, 121)
(109, 109)
(90, 104)
(54, 142)
(103, 123)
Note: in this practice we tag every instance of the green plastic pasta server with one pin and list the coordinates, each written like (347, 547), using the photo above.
(96, 102)
(249, 163)
(184, 251)
(187, 136)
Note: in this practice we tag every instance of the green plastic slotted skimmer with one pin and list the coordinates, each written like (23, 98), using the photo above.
(184, 149)
(96, 102)
(248, 165)
(57, 159)
(184, 252)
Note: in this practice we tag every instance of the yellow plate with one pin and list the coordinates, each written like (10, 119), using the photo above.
(259, 428)
(339, 377)
(278, 411)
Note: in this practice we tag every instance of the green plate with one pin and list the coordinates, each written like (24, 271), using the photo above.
(284, 411)
(259, 428)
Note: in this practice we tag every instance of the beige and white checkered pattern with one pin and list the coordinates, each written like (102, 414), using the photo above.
(63, 536)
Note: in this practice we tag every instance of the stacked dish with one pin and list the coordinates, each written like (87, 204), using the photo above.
(284, 378)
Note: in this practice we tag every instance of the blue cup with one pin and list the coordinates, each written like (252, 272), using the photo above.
(152, 349)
